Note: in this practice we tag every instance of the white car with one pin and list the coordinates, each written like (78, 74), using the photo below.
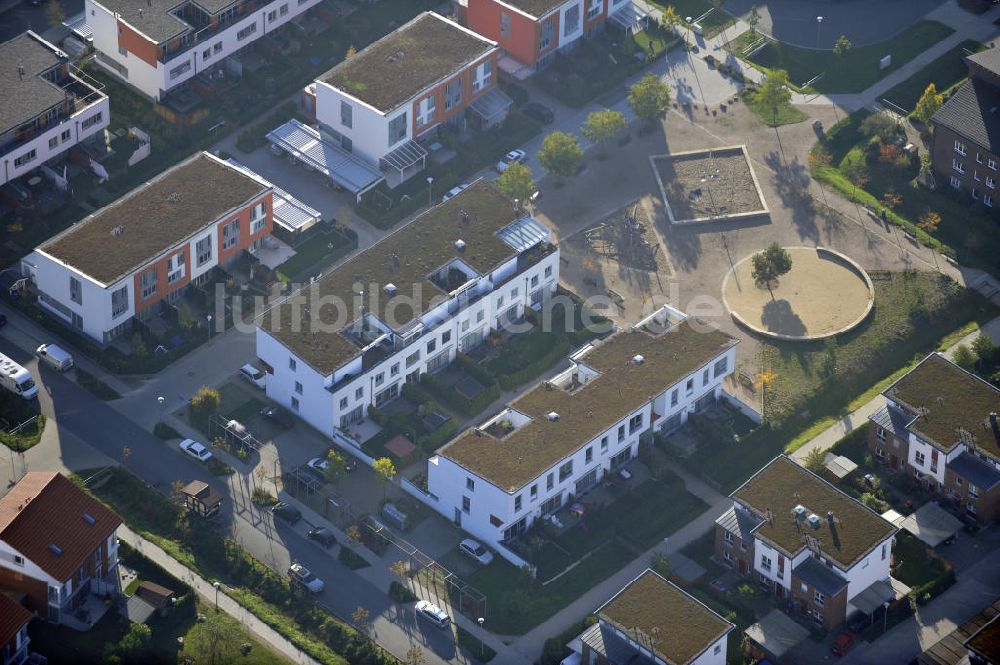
(196, 450)
(430, 612)
(55, 356)
(454, 191)
(253, 376)
(476, 550)
(510, 158)
(319, 465)
(301, 575)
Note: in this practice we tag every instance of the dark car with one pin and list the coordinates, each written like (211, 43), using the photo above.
(539, 112)
(279, 416)
(3, 320)
(290, 514)
(323, 536)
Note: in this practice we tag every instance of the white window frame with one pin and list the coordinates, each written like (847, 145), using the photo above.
(956, 183)
(957, 165)
(960, 147)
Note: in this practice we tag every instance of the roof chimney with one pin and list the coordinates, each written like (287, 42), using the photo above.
(638, 359)
(553, 416)
(460, 245)
(390, 289)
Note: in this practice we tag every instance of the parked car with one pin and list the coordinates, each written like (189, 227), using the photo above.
(253, 376)
(323, 536)
(842, 643)
(304, 578)
(318, 465)
(279, 416)
(510, 158)
(3, 320)
(55, 356)
(196, 450)
(454, 191)
(282, 510)
(430, 612)
(539, 112)
(476, 550)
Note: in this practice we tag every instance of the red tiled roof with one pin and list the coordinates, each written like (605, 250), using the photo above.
(12, 617)
(46, 509)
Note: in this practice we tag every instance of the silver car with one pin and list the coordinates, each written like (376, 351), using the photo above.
(430, 612)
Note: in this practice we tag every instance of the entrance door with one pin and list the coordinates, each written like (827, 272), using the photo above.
(458, 517)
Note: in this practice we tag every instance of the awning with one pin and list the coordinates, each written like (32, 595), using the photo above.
(514, 69)
(878, 594)
(776, 634)
(524, 234)
(492, 105)
(306, 145)
(932, 524)
(77, 24)
(630, 17)
(289, 213)
(404, 156)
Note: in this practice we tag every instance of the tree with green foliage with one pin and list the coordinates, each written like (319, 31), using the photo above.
(560, 154)
(774, 93)
(602, 126)
(139, 348)
(964, 357)
(649, 99)
(815, 459)
(385, 471)
(879, 126)
(770, 264)
(415, 656)
(842, 46)
(54, 13)
(660, 563)
(928, 104)
(984, 348)
(753, 20)
(136, 639)
(336, 466)
(518, 182)
(670, 19)
(205, 402)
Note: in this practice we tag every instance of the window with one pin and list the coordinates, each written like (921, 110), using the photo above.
(880, 452)
(880, 434)
(346, 114)
(206, 54)
(359, 393)
(588, 455)
(53, 142)
(465, 326)
(397, 129)
(973, 491)
(272, 15)
(621, 433)
(689, 388)
(216, 47)
(484, 74)
(534, 281)
(717, 650)
(18, 559)
(258, 218)
(504, 25)
(704, 377)
(594, 8)
(295, 403)
(919, 458)
(298, 387)
(148, 283)
(956, 183)
(765, 563)
(534, 492)
(291, 364)
(466, 504)
(988, 200)
(548, 29)
(246, 32)
(230, 234)
(635, 423)
(180, 69)
(453, 94)
(445, 337)
(550, 481)
(394, 370)
(958, 166)
(499, 302)
(729, 537)
(175, 268)
(380, 378)
(819, 598)
(480, 315)
(992, 163)
(25, 158)
(571, 21)
(548, 271)
(470, 484)
(566, 470)
(75, 291)
(960, 148)
(203, 251)
(991, 183)
(979, 157)
(727, 556)
(119, 301)
(122, 51)
(975, 194)
(673, 397)
(513, 293)
(976, 176)
(517, 503)
(343, 402)
(65, 136)
(282, 10)
(412, 359)
(883, 551)
(425, 111)
(604, 443)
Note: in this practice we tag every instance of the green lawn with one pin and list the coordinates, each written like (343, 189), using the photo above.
(787, 114)
(713, 24)
(855, 70)
(946, 72)
(322, 247)
(914, 566)
(233, 403)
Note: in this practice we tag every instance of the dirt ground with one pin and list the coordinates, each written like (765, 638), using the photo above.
(695, 258)
(820, 295)
(708, 184)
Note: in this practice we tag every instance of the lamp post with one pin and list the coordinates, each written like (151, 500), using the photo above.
(161, 400)
(208, 317)
(885, 616)
(482, 644)
(819, 24)
(697, 78)
(430, 197)
(216, 585)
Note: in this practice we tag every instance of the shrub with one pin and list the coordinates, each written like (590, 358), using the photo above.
(205, 403)
(262, 497)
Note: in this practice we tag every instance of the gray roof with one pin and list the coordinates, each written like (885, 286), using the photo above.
(26, 96)
(969, 114)
(739, 521)
(892, 420)
(975, 470)
(602, 639)
(825, 580)
(152, 17)
(988, 59)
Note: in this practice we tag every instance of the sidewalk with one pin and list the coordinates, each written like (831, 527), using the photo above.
(204, 589)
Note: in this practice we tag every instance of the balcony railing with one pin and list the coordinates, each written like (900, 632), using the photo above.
(201, 35)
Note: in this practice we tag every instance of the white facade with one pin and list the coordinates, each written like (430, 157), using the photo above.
(208, 53)
(872, 568)
(714, 654)
(363, 125)
(571, 19)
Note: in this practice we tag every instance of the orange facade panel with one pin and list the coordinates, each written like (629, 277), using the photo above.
(467, 76)
(519, 36)
(136, 44)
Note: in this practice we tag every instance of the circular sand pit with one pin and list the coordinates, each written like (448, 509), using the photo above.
(824, 294)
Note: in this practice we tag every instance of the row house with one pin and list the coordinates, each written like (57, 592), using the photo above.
(47, 107)
(652, 620)
(532, 32)
(160, 46)
(58, 546)
(804, 540)
(963, 151)
(131, 258)
(14, 640)
(940, 425)
(560, 439)
(381, 106)
(404, 307)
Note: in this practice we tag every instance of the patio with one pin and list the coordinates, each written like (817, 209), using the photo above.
(91, 610)
(362, 430)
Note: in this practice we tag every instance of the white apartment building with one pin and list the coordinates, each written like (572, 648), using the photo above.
(159, 45)
(123, 260)
(404, 307)
(562, 437)
(803, 539)
(47, 106)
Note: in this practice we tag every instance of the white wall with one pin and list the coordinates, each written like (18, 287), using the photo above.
(315, 402)
(40, 144)
(714, 654)
(917, 445)
(53, 278)
(29, 569)
(564, 38)
(762, 549)
(869, 570)
(369, 130)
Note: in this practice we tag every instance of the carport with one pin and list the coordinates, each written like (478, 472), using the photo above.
(492, 107)
(878, 594)
(307, 146)
(932, 524)
(775, 635)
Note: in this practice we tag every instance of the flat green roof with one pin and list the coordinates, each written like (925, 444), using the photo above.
(623, 385)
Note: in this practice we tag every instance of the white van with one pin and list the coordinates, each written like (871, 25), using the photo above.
(16, 379)
(58, 358)
(253, 376)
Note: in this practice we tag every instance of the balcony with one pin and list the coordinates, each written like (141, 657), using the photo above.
(202, 30)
